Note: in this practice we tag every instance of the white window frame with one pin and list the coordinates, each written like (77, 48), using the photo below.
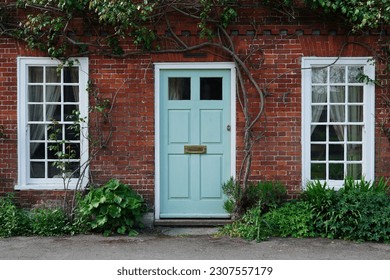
(24, 182)
(368, 139)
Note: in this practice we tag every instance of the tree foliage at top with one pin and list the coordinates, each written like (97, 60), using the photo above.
(359, 13)
(47, 24)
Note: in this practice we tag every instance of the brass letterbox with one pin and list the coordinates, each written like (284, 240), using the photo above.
(195, 149)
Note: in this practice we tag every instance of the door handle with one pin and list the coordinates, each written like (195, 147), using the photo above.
(228, 127)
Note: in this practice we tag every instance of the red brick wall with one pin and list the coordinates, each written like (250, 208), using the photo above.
(129, 155)
(8, 112)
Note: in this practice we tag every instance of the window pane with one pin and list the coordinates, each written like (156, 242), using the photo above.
(355, 94)
(37, 170)
(35, 74)
(37, 150)
(336, 171)
(319, 114)
(54, 132)
(54, 171)
(35, 112)
(337, 113)
(53, 94)
(336, 152)
(179, 88)
(74, 170)
(318, 133)
(319, 75)
(354, 132)
(35, 94)
(52, 75)
(355, 113)
(53, 112)
(72, 132)
(71, 94)
(336, 133)
(210, 88)
(337, 74)
(37, 131)
(318, 171)
(337, 94)
(354, 73)
(52, 150)
(354, 171)
(69, 110)
(354, 152)
(71, 75)
(319, 94)
(318, 152)
(72, 150)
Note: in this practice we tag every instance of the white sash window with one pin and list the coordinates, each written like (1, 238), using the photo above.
(50, 101)
(338, 110)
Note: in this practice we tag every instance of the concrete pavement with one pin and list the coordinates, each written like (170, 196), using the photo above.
(185, 244)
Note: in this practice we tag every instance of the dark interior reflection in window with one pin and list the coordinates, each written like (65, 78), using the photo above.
(179, 88)
(210, 88)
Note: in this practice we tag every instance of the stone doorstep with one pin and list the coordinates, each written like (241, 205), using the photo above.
(187, 231)
(189, 227)
(192, 222)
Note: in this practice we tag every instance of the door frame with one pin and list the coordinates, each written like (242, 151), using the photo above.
(190, 66)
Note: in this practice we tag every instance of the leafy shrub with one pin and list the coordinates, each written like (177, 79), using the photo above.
(13, 221)
(267, 195)
(112, 208)
(360, 211)
(363, 212)
(8, 217)
(380, 186)
(323, 202)
(293, 219)
(252, 226)
(49, 222)
(233, 191)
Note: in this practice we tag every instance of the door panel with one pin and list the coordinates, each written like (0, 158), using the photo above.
(178, 126)
(211, 176)
(179, 182)
(211, 126)
(194, 111)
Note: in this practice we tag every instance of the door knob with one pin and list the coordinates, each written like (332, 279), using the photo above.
(228, 127)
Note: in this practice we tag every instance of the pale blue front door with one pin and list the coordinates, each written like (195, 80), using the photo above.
(195, 144)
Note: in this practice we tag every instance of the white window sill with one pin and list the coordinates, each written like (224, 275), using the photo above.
(47, 186)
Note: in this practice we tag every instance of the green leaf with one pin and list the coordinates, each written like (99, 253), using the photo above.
(133, 233)
(121, 230)
(118, 199)
(101, 220)
(114, 211)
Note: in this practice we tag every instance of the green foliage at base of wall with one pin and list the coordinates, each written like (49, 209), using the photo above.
(265, 194)
(360, 211)
(15, 221)
(12, 219)
(49, 222)
(112, 208)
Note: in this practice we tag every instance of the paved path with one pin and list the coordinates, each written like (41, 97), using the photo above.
(185, 244)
